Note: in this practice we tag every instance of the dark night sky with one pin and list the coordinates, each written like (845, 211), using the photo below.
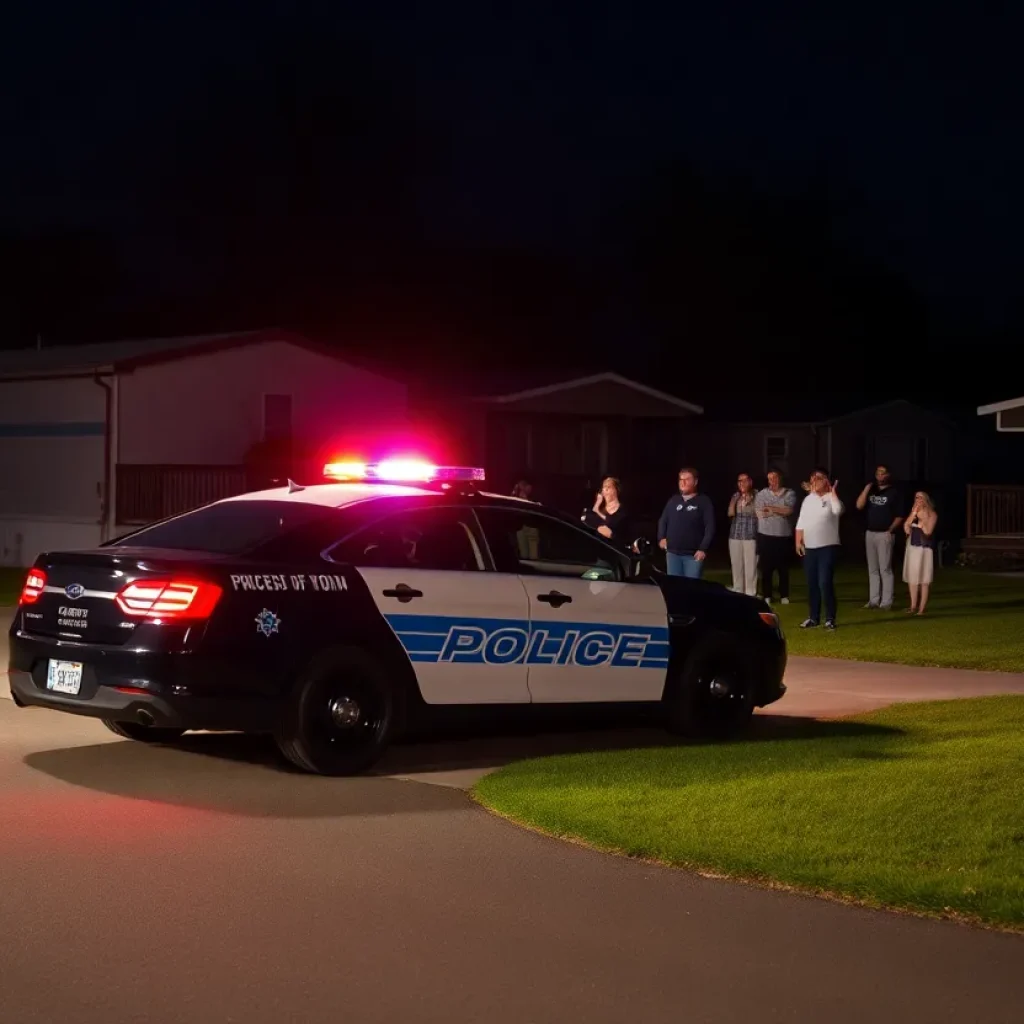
(916, 133)
(514, 131)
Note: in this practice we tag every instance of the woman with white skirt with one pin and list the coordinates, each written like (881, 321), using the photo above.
(919, 558)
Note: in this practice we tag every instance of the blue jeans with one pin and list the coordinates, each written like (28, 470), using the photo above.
(683, 565)
(820, 565)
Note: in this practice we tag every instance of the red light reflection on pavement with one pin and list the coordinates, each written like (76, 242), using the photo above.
(88, 821)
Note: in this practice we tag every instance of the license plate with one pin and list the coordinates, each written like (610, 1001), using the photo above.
(64, 676)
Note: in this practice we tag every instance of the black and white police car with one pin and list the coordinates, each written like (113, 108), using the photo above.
(332, 615)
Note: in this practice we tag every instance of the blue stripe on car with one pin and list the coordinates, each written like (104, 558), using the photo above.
(441, 639)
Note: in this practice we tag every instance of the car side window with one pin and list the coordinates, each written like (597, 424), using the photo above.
(430, 538)
(531, 544)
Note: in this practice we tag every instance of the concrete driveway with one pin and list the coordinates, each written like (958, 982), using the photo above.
(208, 884)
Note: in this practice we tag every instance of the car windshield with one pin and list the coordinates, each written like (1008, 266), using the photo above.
(230, 527)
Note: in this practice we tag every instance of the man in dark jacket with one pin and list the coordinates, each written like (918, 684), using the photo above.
(687, 528)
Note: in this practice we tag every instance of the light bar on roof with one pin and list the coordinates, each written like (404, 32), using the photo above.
(405, 471)
(346, 470)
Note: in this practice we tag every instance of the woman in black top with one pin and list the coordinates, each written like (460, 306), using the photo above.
(608, 516)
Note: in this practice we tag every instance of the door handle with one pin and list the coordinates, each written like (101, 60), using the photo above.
(404, 593)
(555, 599)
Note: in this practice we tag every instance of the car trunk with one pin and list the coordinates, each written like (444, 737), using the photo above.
(79, 599)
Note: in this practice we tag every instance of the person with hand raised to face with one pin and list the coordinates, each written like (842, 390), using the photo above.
(883, 503)
(743, 536)
(817, 543)
(608, 516)
(919, 558)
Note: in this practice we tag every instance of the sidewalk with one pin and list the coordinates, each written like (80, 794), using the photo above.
(830, 687)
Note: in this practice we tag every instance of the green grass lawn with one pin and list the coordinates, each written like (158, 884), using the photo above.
(973, 621)
(919, 807)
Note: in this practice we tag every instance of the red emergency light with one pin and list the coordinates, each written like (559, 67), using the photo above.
(400, 471)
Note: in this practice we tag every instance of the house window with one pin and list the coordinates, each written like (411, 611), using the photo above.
(277, 417)
(776, 451)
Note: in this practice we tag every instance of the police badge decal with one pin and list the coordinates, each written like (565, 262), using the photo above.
(267, 622)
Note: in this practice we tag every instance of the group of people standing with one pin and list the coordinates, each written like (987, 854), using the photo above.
(761, 535)
(767, 526)
(882, 501)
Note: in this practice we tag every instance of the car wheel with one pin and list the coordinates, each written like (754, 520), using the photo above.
(714, 694)
(341, 717)
(143, 733)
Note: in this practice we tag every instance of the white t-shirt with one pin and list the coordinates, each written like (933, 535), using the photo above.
(819, 519)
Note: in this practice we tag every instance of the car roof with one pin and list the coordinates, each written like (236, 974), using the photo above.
(338, 495)
(331, 495)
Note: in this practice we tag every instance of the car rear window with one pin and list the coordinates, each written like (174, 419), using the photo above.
(230, 527)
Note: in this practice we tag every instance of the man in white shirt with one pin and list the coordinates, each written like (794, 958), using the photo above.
(817, 543)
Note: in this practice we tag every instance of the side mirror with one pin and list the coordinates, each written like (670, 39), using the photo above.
(640, 565)
(642, 547)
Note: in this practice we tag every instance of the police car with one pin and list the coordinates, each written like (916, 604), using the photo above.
(333, 615)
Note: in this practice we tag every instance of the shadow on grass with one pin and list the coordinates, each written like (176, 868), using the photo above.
(985, 606)
(901, 615)
(494, 745)
(883, 619)
(242, 774)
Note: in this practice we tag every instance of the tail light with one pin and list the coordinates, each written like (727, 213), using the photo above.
(35, 583)
(770, 619)
(169, 600)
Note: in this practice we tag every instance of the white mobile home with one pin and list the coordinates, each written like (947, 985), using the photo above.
(96, 437)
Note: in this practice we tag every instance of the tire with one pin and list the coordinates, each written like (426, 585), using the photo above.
(713, 696)
(341, 717)
(143, 733)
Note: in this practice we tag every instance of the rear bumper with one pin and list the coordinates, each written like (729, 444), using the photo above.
(151, 688)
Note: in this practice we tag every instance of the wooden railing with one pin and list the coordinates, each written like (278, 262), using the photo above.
(994, 511)
(146, 494)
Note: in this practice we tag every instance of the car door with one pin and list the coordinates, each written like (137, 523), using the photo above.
(465, 629)
(594, 634)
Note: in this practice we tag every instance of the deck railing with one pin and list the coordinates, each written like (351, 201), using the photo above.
(994, 511)
(146, 494)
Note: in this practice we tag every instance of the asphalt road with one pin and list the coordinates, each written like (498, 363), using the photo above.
(208, 884)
